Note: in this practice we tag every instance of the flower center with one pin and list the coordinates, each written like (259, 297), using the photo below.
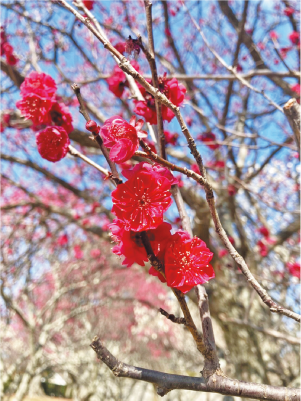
(184, 260)
(143, 201)
(57, 117)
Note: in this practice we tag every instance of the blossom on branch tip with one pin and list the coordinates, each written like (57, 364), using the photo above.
(40, 104)
(146, 109)
(187, 262)
(175, 92)
(122, 137)
(92, 127)
(141, 201)
(53, 143)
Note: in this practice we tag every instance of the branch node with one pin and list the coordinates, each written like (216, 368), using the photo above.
(173, 318)
(162, 391)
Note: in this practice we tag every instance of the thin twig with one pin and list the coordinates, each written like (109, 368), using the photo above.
(74, 152)
(268, 332)
(229, 68)
(150, 55)
(173, 318)
(211, 358)
(83, 110)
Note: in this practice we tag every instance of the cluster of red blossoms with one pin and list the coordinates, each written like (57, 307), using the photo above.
(174, 92)
(41, 105)
(7, 49)
(139, 205)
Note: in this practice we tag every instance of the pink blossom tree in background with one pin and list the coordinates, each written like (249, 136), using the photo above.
(150, 160)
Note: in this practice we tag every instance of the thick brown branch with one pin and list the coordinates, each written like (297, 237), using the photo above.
(211, 358)
(216, 384)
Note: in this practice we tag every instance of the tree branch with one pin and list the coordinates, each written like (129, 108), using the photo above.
(292, 111)
(211, 358)
(216, 384)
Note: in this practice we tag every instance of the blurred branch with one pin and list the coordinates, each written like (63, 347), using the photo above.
(268, 332)
(292, 111)
(49, 175)
(12, 72)
(251, 46)
(229, 68)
